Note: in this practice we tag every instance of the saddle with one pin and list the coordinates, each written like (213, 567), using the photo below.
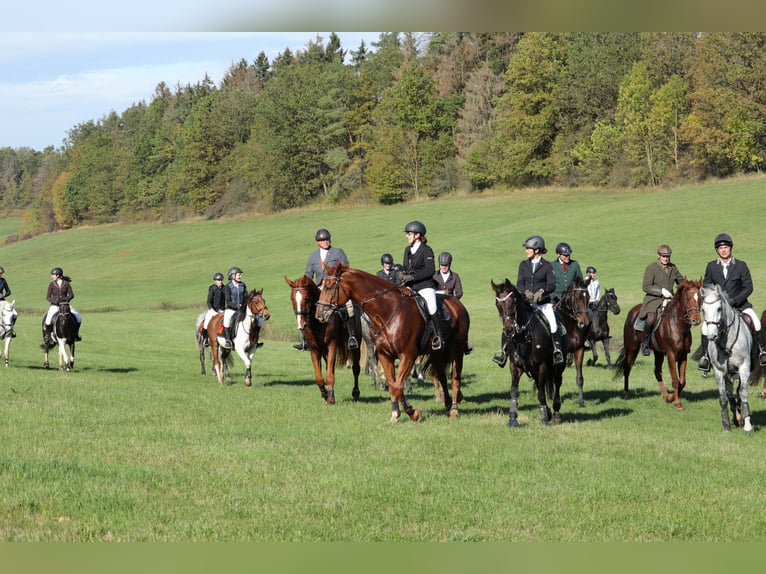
(441, 311)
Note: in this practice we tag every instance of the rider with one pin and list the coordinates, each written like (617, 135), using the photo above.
(733, 276)
(594, 287)
(388, 272)
(324, 257)
(537, 281)
(660, 277)
(418, 272)
(216, 303)
(565, 269)
(5, 291)
(59, 291)
(235, 294)
(447, 281)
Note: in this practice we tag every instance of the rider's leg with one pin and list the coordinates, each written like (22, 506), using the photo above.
(645, 349)
(758, 336)
(429, 295)
(47, 324)
(228, 316)
(704, 362)
(550, 315)
(353, 343)
(501, 357)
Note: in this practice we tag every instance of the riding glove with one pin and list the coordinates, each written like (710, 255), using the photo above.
(529, 295)
(667, 294)
(406, 278)
(539, 295)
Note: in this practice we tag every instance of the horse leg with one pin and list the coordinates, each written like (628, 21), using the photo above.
(605, 342)
(397, 392)
(557, 396)
(330, 373)
(541, 384)
(675, 366)
(513, 413)
(592, 361)
(457, 371)
(355, 370)
(744, 397)
(387, 364)
(7, 349)
(723, 398)
(247, 358)
(216, 352)
(316, 361)
(659, 358)
(578, 357)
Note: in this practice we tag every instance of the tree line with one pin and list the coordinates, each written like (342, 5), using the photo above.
(413, 115)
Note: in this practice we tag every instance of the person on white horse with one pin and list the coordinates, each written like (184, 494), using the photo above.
(216, 303)
(733, 277)
(5, 291)
(59, 291)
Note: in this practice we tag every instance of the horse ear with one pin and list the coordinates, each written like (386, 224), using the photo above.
(492, 282)
(289, 282)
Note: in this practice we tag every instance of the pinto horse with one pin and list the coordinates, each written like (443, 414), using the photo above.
(327, 341)
(732, 350)
(399, 330)
(529, 346)
(248, 328)
(671, 337)
(574, 312)
(7, 319)
(64, 336)
(599, 325)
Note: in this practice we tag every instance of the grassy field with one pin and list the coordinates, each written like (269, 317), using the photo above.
(135, 445)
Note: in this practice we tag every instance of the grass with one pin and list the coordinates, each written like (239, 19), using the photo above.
(136, 445)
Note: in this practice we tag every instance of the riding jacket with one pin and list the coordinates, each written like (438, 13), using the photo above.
(58, 294)
(656, 277)
(738, 284)
(5, 291)
(451, 286)
(565, 278)
(392, 275)
(235, 295)
(216, 297)
(420, 265)
(315, 268)
(541, 278)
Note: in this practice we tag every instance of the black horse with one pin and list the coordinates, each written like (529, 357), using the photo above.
(599, 327)
(529, 346)
(574, 314)
(64, 336)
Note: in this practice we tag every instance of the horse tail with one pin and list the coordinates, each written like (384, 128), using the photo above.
(620, 365)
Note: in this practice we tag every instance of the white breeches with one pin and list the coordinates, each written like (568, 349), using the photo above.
(53, 309)
(209, 314)
(429, 294)
(756, 321)
(547, 309)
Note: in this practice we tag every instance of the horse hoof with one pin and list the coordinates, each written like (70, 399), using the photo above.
(557, 419)
(248, 382)
(331, 400)
(453, 413)
(394, 418)
(513, 423)
(679, 408)
(415, 416)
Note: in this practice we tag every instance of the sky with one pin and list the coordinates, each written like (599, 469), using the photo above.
(50, 81)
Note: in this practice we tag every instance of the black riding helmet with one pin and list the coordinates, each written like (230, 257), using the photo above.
(415, 227)
(535, 242)
(386, 258)
(563, 249)
(445, 258)
(218, 276)
(590, 269)
(321, 234)
(57, 271)
(723, 239)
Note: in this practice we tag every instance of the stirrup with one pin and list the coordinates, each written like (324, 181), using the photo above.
(645, 349)
(762, 358)
(353, 343)
(227, 344)
(501, 359)
(300, 346)
(704, 364)
(558, 357)
(436, 343)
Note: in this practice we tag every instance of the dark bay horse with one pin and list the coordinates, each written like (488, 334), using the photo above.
(64, 336)
(574, 313)
(399, 331)
(327, 341)
(671, 337)
(732, 350)
(248, 328)
(599, 325)
(530, 349)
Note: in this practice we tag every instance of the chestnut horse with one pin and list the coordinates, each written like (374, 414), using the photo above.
(248, 328)
(574, 314)
(599, 325)
(327, 342)
(399, 331)
(671, 337)
(529, 347)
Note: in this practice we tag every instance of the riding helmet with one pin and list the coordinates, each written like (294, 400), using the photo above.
(563, 249)
(218, 276)
(723, 239)
(386, 258)
(445, 258)
(321, 234)
(234, 270)
(535, 242)
(590, 269)
(415, 227)
(57, 271)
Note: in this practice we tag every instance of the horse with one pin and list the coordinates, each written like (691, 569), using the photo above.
(671, 337)
(400, 331)
(64, 335)
(530, 349)
(575, 316)
(327, 341)
(248, 328)
(599, 326)
(730, 349)
(7, 319)
(200, 340)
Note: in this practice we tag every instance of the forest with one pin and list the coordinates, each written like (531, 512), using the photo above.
(414, 115)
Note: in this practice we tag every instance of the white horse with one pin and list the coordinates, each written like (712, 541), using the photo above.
(7, 318)
(729, 346)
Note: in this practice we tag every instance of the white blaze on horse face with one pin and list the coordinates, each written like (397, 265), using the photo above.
(298, 306)
(711, 309)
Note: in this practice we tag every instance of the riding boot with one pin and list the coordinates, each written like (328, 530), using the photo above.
(205, 338)
(227, 338)
(558, 356)
(303, 345)
(438, 339)
(47, 331)
(704, 362)
(501, 357)
(761, 351)
(351, 325)
(77, 333)
(645, 349)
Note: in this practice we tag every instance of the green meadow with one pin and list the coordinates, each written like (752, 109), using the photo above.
(136, 445)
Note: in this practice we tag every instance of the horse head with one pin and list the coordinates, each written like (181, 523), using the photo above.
(574, 303)
(713, 307)
(6, 315)
(256, 305)
(303, 296)
(507, 298)
(611, 301)
(690, 293)
(331, 295)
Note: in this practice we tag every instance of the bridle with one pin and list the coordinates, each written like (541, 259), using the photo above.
(570, 310)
